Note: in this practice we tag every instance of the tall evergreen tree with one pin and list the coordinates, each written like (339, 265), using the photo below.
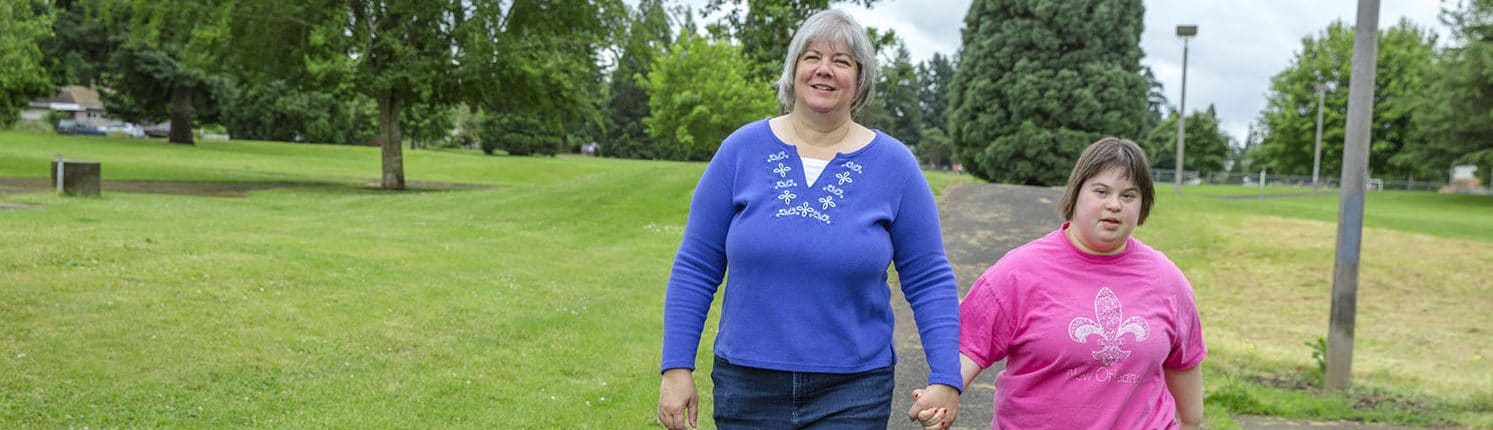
(1038, 80)
(23, 24)
(895, 109)
(648, 34)
(1454, 117)
(934, 77)
(1290, 116)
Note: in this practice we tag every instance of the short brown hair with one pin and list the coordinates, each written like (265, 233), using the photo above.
(1110, 153)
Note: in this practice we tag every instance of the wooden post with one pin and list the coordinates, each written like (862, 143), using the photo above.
(1350, 214)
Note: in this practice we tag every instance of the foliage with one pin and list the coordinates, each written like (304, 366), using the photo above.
(79, 52)
(1206, 146)
(169, 61)
(521, 135)
(1454, 117)
(698, 94)
(935, 150)
(1290, 116)
(427, 125)
(767, 28)
(1039, 80)
(277, 110)
(894, 109)
(23, 24)
(934, 77)
(647, 35)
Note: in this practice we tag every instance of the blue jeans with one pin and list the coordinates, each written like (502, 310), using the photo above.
(752, 398)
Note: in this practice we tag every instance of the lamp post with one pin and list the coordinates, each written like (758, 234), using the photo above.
(1186, 32)
(1317, 153)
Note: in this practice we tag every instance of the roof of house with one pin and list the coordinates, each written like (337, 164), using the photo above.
(82, 96)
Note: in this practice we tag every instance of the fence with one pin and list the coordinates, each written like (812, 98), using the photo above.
(1192, 177)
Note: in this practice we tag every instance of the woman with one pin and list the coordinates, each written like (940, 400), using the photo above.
(806, 210)
(1098, 330)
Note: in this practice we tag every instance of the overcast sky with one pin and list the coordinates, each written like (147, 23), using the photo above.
(1239, 46)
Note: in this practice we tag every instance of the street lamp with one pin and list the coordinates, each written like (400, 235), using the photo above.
(1186, 32)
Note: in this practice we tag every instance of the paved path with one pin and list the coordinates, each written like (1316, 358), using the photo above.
(981, 222)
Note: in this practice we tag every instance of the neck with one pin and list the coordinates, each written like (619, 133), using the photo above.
(819, 130)
(1083, 247)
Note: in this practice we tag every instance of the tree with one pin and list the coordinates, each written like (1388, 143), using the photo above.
(1207, 147)
(1290, 116)
(935, 75)
(647, 34)
(1454, 118)
(277, 110)
(698, 94)
(79, 52)
(894, 109)
(23, 23)
(1038, 80)
(767, 28)
(168, 60)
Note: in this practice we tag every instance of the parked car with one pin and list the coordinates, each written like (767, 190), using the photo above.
(68, 126)
(124, 129)
(162, 129)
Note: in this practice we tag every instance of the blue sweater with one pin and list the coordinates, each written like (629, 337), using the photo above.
(808, 290)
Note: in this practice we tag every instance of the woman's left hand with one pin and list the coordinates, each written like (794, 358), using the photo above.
(935, 397)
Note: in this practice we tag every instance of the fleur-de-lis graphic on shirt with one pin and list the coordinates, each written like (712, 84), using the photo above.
(782, 170)
(851, 165)
(827, 202)
(1110, 326)
(844, 178)
(787, 197)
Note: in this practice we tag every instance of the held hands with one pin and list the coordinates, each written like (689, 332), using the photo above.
(678, 403)
(935, 407)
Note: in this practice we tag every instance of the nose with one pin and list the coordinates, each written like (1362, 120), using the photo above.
(1112, 203)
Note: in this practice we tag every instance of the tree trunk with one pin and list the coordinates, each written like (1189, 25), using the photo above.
(181, 114)
(388, 138)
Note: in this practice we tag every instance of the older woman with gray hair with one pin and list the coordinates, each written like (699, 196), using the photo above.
(806, 211)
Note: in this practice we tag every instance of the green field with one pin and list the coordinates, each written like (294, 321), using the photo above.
(530, 296)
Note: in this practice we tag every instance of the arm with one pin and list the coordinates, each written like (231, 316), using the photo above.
(698, 270)
(926, 278)
(1186, 387)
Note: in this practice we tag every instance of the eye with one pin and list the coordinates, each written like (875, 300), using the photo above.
(1129, 196)
(1101, 192)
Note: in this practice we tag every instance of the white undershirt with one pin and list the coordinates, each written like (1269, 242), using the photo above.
(812, 168)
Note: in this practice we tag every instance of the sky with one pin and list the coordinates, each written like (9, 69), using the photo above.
(1240, 45)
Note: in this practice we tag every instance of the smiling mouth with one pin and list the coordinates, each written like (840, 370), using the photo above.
(822, 87)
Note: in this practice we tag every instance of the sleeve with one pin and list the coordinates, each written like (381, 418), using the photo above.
(986, 329)
(926, 278)
(700, 264)
(1188, 349)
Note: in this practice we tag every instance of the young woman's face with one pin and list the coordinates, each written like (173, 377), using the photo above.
(825, 77)
(1107, 210)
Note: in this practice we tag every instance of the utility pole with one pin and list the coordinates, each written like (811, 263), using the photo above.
(1350, 213)
(1186, 32)
(1317, 153)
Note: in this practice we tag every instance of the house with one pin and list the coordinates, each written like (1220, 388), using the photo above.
(82, 104)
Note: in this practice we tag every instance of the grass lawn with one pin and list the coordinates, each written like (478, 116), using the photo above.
(534, 301)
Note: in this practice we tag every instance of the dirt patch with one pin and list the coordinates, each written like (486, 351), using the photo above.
(224, 189)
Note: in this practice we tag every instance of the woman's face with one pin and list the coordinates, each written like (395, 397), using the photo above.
(1108, 209)
(825, 77)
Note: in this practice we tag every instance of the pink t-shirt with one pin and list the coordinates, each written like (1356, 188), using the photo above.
(1085, 337)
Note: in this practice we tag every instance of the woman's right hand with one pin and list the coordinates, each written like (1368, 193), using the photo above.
(678, 403)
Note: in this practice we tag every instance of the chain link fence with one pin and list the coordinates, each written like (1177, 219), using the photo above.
(1193, 177)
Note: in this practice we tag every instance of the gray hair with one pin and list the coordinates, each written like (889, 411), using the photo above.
(834, 25)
